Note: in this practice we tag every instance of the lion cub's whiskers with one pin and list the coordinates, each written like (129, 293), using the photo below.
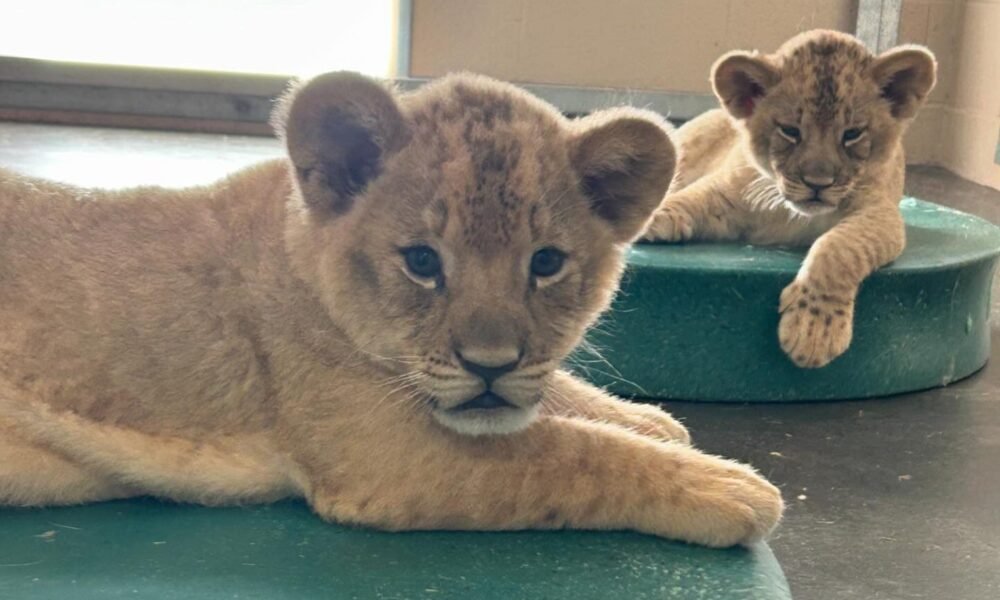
(406, 382)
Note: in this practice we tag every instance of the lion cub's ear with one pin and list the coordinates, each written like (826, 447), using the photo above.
(740, 79)
(625, 160)
(906, 76)
(339, 128)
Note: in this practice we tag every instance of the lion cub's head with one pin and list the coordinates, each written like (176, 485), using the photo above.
(466, 234)
(823, 114)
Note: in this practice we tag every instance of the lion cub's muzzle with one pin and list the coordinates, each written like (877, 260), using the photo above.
(811, 198)
(489, 373)
(496, 397)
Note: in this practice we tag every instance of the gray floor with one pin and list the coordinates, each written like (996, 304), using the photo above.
(889, 498)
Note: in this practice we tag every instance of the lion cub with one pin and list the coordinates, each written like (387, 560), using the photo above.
(375, 324)
(807, 150)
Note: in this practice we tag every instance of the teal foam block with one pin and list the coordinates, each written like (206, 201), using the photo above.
(144, 549)
(699, 321)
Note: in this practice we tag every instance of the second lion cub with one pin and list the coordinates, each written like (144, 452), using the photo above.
(807, 150)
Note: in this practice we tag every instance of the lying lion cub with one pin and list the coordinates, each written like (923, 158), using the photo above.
(375, 324)
(810, 152)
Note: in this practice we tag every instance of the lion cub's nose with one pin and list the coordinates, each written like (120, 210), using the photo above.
(490, 364)
(819, 174)
(817, 183)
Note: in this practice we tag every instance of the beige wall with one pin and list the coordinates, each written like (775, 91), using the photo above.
(637, 44)
(960, 126)
(670, 45)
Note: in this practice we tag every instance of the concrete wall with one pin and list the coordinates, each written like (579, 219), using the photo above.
(961, 124)
(637, 44)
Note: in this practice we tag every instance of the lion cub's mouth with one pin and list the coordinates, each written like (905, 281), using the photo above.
(812, 207)
(485, 401)
(486, 414)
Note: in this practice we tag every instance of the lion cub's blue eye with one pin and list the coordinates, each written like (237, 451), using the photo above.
(422, 261)
(852, 134)
(547, 262)
(792, 133)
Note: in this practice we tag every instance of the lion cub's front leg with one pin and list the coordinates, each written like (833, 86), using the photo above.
(568, 396)
(817, 309)
(557, 473)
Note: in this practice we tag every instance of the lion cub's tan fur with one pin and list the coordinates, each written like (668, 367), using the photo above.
(266, 337)
(780, 164)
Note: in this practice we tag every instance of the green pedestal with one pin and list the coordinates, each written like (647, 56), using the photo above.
(145, 549)
(699, 321)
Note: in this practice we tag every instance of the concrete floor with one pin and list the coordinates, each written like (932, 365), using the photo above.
(893, 498)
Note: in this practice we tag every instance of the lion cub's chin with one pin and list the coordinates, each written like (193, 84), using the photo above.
(810, 208)
(487, 421)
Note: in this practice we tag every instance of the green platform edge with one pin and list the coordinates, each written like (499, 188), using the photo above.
(144, 549)
(699, 321)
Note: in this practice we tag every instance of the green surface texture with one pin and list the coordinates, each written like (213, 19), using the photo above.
(147, 549)
(699, 321)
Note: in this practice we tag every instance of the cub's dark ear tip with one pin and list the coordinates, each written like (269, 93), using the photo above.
(906, 74)
(611, 136)
(282, 106)
(339, 129)
(739, 79)
(352, 91)
(625, 160)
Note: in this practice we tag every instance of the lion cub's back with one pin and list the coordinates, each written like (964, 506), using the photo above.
(705, 143)
(139, 305)
(24, 198)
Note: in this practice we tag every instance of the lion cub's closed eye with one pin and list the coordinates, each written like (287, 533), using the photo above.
(806, 150)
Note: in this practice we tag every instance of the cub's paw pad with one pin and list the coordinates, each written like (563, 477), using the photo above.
(669, 224)
(815, 326)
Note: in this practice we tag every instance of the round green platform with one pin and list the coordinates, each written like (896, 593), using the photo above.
(144, 549)
(699, 321)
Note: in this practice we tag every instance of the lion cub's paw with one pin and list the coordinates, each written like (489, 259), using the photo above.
(759, 506)
(653, 422)
(815, 326)
(670, 224)
(735, 506)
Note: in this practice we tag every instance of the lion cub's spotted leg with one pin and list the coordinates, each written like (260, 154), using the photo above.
(570, 397)
(817, 309)
(698, 212)
(557, 473)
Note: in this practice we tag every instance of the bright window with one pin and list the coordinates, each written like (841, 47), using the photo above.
(285, 37)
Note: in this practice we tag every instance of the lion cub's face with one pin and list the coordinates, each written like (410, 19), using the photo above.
(465, 235)
(822, 115)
